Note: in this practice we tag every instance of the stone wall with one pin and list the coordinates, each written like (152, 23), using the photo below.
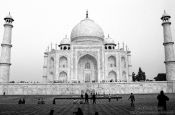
(77, 88)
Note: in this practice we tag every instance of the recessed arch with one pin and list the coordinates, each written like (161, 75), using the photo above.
(63, 63)
(124, 76)
(112, 76)
(123, 62)
(63, 76)
(111, 61)
(87, 69)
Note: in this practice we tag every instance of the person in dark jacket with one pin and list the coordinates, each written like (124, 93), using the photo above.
(162, 98)
(86, 98)
(94, 98)
(132, 99)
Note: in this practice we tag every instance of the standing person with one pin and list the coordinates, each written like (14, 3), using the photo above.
(162, 98)
(94, 98)
(132, 99)
(86, 98)
(81, 95)
(109, 98)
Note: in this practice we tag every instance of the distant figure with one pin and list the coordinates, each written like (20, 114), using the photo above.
(86, 98)
(23, 101)
(79, 112)
(94, 98)
(53, 101)
(4, 93)
(51, 112)
(81, 96)
(162, 98)
(109, 98)
(20, 101)
(132, 99)
(96, 113)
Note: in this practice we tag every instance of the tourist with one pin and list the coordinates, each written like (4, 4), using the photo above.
(4, 93)
(86, 98)
(109, 98)
(23, 101)
(20, 101)
(132, 98)
(51, 112)
(53, 101)
(162, 98)
(94, 98)
(81, 95)
(79, 112)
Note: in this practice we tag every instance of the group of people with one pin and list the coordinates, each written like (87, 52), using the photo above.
(93, 97)
(21, 101)
(162, 98)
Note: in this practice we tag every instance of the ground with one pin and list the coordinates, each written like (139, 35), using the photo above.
(145, 104)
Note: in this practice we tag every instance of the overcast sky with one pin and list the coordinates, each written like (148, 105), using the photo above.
(40, 22)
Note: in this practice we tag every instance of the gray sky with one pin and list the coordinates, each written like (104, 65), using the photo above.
(40, 22)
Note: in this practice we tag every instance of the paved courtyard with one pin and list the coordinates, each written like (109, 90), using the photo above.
(144, 105)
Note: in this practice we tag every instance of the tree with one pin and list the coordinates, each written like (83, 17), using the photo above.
(141, 75)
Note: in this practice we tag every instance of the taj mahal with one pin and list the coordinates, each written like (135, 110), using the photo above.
(87, 56)
(87, 61)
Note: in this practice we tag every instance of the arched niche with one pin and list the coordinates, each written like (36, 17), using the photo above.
(63, 76)
(124, 76)
(63, 63)
(123, 62)
(112, 76)
(87, 69)
(111, 61)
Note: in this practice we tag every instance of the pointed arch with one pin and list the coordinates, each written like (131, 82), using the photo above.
(123, 62)
(112, 76)
(124, 76)
(63, 76)
(111, 61)
(63, 63)
(51, 63)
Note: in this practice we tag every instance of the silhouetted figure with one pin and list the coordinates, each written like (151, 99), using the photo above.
(96, 113)
(81, 96)
(94, 98)
(23, 101)
(53, 101)
(20, 101)
(4, 93)
(51, 112)
(132, 99)
(79, 112)
(162, 98)
(109, 98)
(86, 98)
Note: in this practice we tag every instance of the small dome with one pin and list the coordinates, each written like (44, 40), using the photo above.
(165, 15)
(87, 28)
(9, 17)
(65, 40)
(109, 40)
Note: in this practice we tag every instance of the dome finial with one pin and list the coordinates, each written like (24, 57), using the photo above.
(86, 13)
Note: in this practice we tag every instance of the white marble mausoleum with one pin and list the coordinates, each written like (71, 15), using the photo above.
(87, 56)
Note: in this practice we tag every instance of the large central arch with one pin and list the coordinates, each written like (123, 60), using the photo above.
(87, 69)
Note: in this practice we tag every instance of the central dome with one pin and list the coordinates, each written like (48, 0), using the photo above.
(87, 28)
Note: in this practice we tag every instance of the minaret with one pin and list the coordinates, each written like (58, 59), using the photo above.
(45, 67)
(6, 50)
(168, 46)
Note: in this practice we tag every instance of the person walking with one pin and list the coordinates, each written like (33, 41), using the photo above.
(86, 98)
(109, 97)
(94, 98)
(132, 98)
(162, 98)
